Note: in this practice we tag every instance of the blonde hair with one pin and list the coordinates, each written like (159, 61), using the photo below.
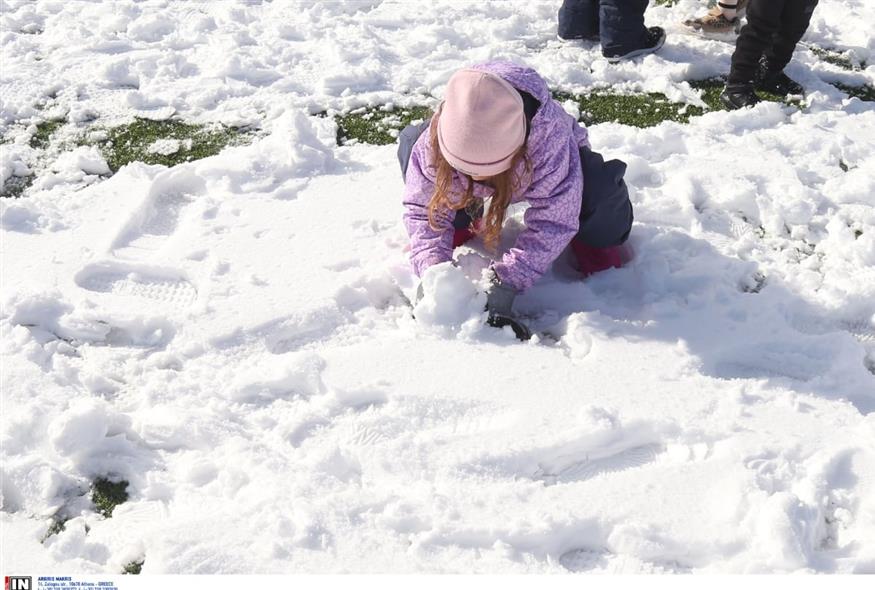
(505, 184)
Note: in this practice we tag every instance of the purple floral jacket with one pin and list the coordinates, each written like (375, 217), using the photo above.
(553, 189)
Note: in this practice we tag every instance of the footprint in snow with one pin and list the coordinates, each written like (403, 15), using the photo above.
(605, 561)
(160, 286)
(799, 361)
(861, 328)
(157, 217)
(582, 469)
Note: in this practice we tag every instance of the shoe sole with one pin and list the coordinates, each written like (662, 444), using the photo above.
(725, 37)
(637, 52)
(698, 29)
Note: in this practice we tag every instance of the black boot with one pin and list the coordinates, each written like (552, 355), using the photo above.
(653, 41)
(736, 96)
(775, 82)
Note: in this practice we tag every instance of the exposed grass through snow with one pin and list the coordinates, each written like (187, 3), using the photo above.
(134, 567)
(172, 142)
(380, 126)
(377, 125)
(168, 142)
(44, 131)
(107, 494)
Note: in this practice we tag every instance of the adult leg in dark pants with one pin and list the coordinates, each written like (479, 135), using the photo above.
(579, 19)
(764, 48)
(605, 214)
(619, 24)
(622, 26)
(794, 22)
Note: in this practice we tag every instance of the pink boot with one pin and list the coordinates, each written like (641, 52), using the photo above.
(592, 260)
(460, 236)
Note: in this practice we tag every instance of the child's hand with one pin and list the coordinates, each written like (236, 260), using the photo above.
(499, 297)
(499, 304)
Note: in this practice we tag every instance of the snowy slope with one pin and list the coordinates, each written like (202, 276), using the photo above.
(231, 336)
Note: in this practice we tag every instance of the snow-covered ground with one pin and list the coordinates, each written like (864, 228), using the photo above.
(230, 335)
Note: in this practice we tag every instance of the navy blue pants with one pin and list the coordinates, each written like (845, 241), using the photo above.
(605, 209)
(619, 24)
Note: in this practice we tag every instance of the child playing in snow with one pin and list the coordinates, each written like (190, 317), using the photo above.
(764, 48)
(499, 136)
(725, 17)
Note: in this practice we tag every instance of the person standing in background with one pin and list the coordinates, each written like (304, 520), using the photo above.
(764, 48)
(617, 24)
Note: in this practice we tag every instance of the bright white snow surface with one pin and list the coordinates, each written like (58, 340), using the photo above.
(230, 335)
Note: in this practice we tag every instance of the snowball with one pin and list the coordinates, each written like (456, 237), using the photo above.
(449, 297)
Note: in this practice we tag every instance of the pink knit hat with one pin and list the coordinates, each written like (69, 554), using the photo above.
(481, 123)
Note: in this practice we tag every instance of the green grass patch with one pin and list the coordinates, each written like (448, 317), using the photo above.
(647, 110)
(139, 141)
(376, 125)
(636, 110)
(712, 87)
(106, 495)
(15, 186)
(836, 58)
(44, 131)
(182, 142)
(865, 92)
(134, 568)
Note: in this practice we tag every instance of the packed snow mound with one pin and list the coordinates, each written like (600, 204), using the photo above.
(449, 298)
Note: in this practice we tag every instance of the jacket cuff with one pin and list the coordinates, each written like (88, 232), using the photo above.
(501, 273)
(422, 263)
